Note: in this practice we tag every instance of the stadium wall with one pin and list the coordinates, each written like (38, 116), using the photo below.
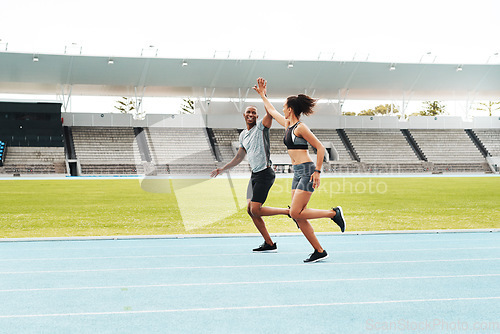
(319, 121)
(126, 120)
(492, 122)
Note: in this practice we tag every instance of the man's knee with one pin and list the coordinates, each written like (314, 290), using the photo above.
(249, 210)
(255, 209)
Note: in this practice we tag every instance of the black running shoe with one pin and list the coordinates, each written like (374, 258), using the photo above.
(316, 256)
(266, 248)
(294, 219)
(339, 218)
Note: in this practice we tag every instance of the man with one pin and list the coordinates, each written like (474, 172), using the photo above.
(254, 141)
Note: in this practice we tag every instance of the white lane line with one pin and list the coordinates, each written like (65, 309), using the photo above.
(239, 266)
(248, 283)
(338, 241)
(237, 308)
(139, 257)
(240, 254)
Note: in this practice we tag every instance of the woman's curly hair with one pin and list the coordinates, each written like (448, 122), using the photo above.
(301, 104)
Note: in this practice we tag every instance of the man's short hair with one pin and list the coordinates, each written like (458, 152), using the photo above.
(252, 106)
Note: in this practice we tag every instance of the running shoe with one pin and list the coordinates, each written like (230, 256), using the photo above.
(294, 219)
(316, 256)
(266, 248)
(339, 218)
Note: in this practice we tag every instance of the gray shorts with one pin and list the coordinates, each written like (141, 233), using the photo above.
(302, 176)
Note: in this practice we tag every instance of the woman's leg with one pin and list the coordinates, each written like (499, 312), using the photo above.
(298, 209)
(304, 224)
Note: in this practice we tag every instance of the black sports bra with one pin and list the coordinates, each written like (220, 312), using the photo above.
(293, 142)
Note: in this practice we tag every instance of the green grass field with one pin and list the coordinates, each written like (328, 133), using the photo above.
(101, 207)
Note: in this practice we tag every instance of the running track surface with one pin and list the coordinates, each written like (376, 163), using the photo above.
(446, 282)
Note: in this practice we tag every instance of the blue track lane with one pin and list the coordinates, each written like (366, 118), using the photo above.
(442, 282)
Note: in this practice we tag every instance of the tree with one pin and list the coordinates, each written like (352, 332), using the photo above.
(125, 105)
(129, 106)
(432, 108)
(489, 107)
(349, 113)
(383, 109)
(187, 107)
(368, 112)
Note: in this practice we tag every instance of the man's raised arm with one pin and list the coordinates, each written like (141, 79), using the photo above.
(261, 89)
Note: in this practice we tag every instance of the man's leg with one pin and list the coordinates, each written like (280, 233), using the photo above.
(257, 220)
(259, 223)
(261, 211)
(260, 190)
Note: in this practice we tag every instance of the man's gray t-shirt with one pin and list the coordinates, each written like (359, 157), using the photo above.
(256, 143)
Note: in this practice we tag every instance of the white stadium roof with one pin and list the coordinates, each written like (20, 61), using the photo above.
(232, 78)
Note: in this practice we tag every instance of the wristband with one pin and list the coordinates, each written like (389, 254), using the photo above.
(317, 170)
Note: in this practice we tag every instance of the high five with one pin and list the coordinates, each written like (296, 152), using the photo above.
(306, 174)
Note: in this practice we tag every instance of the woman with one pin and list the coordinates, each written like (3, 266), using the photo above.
(306, 176)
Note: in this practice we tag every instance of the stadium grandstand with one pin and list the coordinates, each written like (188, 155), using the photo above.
(46, 138)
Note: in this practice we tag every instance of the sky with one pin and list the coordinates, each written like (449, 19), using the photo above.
(441, 31)
(465, 30)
